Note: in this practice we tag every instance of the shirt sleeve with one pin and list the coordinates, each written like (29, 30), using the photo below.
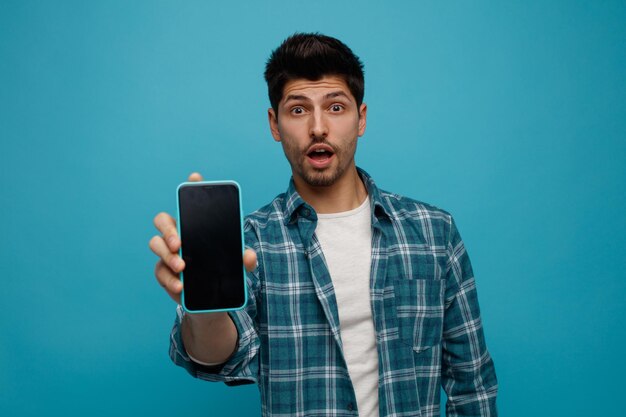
(242, 367)
(468, 373)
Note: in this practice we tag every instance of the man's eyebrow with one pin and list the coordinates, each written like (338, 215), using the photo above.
(296, 97)
(335, 94)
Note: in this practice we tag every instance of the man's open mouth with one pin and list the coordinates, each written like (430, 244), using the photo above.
(320, 155)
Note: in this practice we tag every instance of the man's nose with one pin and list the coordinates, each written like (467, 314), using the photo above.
(319, 125)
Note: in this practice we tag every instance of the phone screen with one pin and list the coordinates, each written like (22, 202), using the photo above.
(212, 246)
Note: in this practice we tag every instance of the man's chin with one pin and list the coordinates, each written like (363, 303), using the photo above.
(321, 178)
(320, 182)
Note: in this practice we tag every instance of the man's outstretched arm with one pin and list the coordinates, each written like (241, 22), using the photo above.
(208, 338)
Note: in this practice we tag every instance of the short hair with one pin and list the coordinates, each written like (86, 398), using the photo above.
(312, 56)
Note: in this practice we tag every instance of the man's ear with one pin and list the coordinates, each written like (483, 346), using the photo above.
(362, 118)
(271, 116)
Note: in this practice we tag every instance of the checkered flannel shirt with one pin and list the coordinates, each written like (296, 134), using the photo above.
(424, 306)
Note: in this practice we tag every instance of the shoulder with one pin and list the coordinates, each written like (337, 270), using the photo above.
(266, 215)
(401, 208)
(405, 207)
(409, 212)
(266, 227)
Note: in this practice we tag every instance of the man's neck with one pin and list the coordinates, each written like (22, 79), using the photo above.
(347, 193)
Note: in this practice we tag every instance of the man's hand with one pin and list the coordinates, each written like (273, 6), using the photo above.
(166, 247)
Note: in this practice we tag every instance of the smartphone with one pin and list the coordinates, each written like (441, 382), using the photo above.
(211, 232)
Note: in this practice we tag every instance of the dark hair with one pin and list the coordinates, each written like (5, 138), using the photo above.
(312, 56)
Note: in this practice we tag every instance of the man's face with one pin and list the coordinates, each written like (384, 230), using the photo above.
(318, 125)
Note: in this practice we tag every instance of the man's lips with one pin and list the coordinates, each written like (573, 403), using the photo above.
(320, 148)
(320, 155)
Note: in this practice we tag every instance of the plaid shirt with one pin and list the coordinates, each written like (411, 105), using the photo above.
(424, 306)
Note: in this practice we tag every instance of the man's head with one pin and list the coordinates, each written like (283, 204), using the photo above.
(316, 87)
(311, 56)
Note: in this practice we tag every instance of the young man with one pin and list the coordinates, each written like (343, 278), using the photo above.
(362, 301)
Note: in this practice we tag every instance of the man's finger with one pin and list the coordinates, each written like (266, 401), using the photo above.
(249, 260)
(171, 259)
(195, 176)
(168, 280)
(167, 226)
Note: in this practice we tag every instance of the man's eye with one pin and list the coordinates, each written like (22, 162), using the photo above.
(336, 107)
(297, 110)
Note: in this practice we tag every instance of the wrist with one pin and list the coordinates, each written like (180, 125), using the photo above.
(204, 319)
(208, 338)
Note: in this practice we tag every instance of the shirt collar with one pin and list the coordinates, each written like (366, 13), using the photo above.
(293, 202)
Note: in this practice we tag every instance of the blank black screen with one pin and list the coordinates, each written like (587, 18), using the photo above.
(210, 232)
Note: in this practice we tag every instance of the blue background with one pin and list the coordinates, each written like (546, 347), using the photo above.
(511, 116)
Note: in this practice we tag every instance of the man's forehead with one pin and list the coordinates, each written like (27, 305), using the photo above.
(317, 88)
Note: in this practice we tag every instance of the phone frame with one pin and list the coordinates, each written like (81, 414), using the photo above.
(180, 251)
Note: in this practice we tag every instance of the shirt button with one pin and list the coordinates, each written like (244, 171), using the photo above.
(350, 407)
(306, 212)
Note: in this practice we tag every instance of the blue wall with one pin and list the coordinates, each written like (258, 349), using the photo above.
(511, 116)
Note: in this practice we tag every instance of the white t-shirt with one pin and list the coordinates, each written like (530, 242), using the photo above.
(346, 240)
